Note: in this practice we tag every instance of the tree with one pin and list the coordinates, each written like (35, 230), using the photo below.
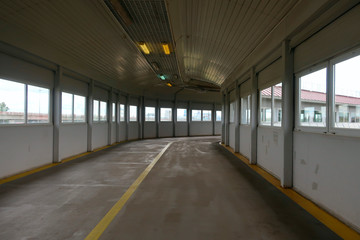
(3, 107)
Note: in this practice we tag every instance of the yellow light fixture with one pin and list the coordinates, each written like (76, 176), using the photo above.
(166, 48)
(169, 84)
(144, 48)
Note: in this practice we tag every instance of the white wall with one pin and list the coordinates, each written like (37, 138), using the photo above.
(149, 130)
(326, 170)
(232, 135)
(270, 148)
(99, 135)
(165, 129)
(113, 132)
(181, 129)
(24, 147)
(72, 139)
(217, 128)
(245, 143)
(200, 128)
(122, 131)
(133, 130)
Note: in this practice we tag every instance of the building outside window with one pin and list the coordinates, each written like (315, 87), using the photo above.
(181, 114)
(232, 112)
(206, 115)
(265, 106)
(245, 110)
(79, 108)
(218, 116)
(149, 114)
(122, 113)
(165, 114)
(113, 112)
(95, 110)
(271, 106)
(195, 115)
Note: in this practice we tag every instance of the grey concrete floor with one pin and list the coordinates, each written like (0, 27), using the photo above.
(196, 191)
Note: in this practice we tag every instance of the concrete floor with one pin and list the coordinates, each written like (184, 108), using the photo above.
(196, 191)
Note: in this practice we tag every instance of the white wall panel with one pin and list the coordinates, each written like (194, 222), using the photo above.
(24, 147)
(326, 170)
(133, 101)
(74, 86)
(271, 75)
(17, 70)
(122, 99)
(200, 128)
(165, 129)
(99, 135)
(150, 102)
(122, 131)
(337, 37)
(101, 94)
(217, 128)
(232, 135)
(133, 130)
(149, 130)
(206, 106)
(245, 141)
(166, 104)
(181, 129)
(270, 150)
(72, 139)
(113, 132)
(181, 104)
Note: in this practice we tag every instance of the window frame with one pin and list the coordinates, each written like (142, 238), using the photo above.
(72, 109)
(272, 99)
(150, 121)
(122, 118)
(202, 115)
(26, 102)
(216, 111)
(137, 114)
(171, 115)
(177, 115)
(192, 120)
(248, 117)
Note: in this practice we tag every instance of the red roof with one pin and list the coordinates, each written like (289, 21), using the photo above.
(314, 96)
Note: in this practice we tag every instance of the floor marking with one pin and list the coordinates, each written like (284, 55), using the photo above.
(107, 219)
(327, 219)
(39, 169)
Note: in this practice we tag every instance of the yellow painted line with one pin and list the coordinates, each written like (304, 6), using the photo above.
(107, 219)
(39, 169)
(327, 219)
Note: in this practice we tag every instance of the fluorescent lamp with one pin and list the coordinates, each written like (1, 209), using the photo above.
(162, 77)
(166, 48)
(144, 48)
(169, 84)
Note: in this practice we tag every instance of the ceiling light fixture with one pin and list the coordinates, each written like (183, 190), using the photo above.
(169, 84)
(166, 48)
(162, 77)
(155, 66)
(144, 48)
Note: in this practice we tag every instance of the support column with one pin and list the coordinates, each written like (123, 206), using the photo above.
(90, 103)
(126, 117)
(189, 117)
(174, 116)
(141, 117)
(288, 113)
(213, 118)
(254, 115)
(117, 117)
(109, 115)
(57, 115)
(237, 118)
(157, 117)
(227, 117)
(223, 109)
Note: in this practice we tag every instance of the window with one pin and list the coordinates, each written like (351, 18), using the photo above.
(232, 112)
(218, 116)
(66, 107)
(270, 106)
(347, 93)
(313, 99)
(165, 114)
(79, 108)
(113, 112)
(195, 115)
(96, 111)
(122, 113)
(206, 115)
(149, 114)
(181, 114)
(38, 105)
(13, 102)
(103, 111)
(133, 113)
(245, 110)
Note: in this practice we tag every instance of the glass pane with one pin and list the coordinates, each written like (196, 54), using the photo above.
(96, 111)
(79, 108)
(113, 116)
(122, 112)
(12, 102)
(313, 99)
(218, 116)
(38, 105)
(206, 116)
(347, 93)
(277, 93)
(133, 114)
(103, 111)
(244, 110)
(66, 107)
(196, 115)
(181, 114)
(232, 112)
(165, 114)
(265, 107)
(149, 114)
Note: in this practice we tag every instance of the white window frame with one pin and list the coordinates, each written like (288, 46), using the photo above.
(177, 118)
(150, 121)
(171, 116)
(192, 115)
(272, 108)
(216, 115)
(73, 110)
(137, 114)
(124, 107)
(202, 115)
